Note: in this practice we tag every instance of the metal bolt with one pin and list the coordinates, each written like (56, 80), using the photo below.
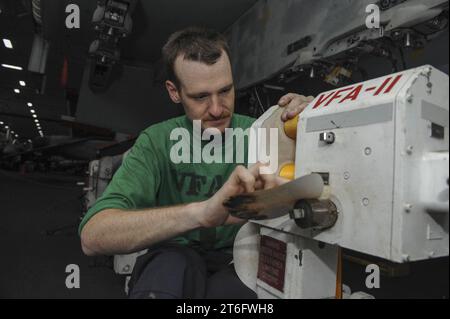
(346, 175)
(126, 268)
(409, 98)
(327, 137)
(367, 151)
(408, 208)
(365, 201)
(409, 149)
(408, 40)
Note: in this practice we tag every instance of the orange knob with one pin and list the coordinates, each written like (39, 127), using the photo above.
(288, 171)
(290, 127)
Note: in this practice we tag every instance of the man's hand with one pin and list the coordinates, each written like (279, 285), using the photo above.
(242, 180)
(294, 104)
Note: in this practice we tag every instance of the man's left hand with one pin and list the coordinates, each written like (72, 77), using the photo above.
(294, 104)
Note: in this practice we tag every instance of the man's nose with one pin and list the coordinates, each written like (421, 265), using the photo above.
(215, 108)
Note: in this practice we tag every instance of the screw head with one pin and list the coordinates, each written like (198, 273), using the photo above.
(408, 208)
(409, 98)
(365, 201)
(409, 149)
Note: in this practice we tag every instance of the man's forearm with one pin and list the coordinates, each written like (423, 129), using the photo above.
(114, 231)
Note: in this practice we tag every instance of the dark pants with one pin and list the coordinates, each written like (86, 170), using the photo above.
(174, 271)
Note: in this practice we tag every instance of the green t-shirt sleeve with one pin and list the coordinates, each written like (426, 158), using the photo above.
(134, 185)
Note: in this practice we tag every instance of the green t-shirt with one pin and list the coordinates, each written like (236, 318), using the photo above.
(149, 178)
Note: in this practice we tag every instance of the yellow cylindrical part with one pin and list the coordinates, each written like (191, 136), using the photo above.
(290, 127)
(288, 171)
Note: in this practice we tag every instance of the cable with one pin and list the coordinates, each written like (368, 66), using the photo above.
(259, 100)
(402, 57)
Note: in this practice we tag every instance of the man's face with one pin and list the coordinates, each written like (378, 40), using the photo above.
(206, 91)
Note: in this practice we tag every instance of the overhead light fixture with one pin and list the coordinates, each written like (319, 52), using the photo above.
(30, 104)
(22, 83)
(17, 135)
(34, 115)
(7, 43)
(12, 132)
(1, 123)
(7, 127)
(36, 121)
(9, 66)
(32, 111)
(16, 91)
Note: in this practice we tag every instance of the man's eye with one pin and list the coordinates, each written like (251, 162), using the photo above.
(200, 97)
(225, 91)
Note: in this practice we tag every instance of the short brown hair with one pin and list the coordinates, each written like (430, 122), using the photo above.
(196, 44)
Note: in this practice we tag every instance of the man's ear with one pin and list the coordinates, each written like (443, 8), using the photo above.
(173, 91)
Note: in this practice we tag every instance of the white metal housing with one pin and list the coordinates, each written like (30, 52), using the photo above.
(388, 167)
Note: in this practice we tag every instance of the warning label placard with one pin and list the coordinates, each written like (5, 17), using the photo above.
(272, 262)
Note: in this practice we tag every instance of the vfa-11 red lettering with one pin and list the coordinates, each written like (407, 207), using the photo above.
(352, 93)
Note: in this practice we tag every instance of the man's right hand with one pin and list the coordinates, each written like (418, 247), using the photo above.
(116, 231)
(242, 180)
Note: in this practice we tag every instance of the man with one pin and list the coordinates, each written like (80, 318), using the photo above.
(176, 210)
